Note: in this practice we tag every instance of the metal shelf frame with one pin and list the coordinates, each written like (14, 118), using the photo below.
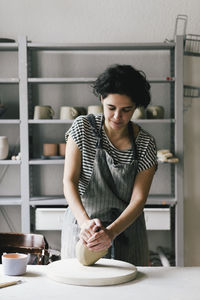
(83, 80)
(26, 200)
(101, 47)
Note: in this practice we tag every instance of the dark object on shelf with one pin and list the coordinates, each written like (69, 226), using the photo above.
(33, 244)
(6, 40)
(54, 255)
(154, 259)
(52, 157)
(2, 110)
(162, 257)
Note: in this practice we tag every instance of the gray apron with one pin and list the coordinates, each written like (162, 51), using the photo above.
(107, 195)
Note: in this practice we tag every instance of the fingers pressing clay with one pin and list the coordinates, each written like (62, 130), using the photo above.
(87, 257)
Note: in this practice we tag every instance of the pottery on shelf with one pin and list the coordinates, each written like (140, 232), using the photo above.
(50, 149)
(139, 113)
(2, 109)
(4, 147)
(155, 112)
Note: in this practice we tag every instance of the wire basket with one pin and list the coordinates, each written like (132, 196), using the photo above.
(192, 44)
(191, 91)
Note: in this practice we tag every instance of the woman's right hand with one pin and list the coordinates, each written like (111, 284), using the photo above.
(88, 228)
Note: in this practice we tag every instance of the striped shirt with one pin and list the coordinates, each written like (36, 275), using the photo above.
(85, 139)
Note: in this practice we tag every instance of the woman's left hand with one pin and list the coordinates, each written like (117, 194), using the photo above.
(100, 240)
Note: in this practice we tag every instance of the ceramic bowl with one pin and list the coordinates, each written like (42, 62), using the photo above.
(14, 263)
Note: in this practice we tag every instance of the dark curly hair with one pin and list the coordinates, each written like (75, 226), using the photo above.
(124, 80)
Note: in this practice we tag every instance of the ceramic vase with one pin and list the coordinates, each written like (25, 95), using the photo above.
(139, 113)
(4, 147)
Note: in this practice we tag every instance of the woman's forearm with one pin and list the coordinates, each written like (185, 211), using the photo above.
(138, 199)
(127, 217)
(73, 199)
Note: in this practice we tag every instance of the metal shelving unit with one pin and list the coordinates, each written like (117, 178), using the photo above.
(175, 123)
(10, 200)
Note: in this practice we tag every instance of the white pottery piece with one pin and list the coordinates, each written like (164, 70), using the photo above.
(139, 113)
(4, 147)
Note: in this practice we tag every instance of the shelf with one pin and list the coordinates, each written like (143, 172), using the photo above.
(101, 47)
(154, 121)
(46, 162)
(61, 80)
(60, 200)
(50, 121)
(8, 46)
(75, 80)
(10, 162)
(161, 200)
(57, 121)
(9, 80)
(39, 161)
(9, 121)
(10, 200)
(48, 200)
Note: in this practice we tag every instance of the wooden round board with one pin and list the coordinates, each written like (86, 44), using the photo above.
(103, 272)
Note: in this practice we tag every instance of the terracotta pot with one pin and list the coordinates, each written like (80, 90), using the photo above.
(62, 149)
(50, 149)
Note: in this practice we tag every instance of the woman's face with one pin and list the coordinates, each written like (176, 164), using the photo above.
(118, 110)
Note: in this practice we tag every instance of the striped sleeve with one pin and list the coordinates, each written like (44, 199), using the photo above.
(147, 153)
(76, 132)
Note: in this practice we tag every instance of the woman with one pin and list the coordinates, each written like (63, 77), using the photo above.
(109, 166)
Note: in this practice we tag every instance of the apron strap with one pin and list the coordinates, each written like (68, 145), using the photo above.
(98, 133)
(132, 139)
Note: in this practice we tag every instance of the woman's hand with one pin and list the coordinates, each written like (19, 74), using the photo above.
(88, 228)
(100, 240)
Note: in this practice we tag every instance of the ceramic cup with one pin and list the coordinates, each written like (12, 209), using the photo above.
(155, 112)
(139, 113)
(95, 109)
(14, 263)
(43, 112)
(50, 149)
(68, 113)
(4, 147)
(61, 149)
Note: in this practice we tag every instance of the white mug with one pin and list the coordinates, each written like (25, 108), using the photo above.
(95, 109)
(68, 113)
(43, 112)
(4, 147)
(14, 263)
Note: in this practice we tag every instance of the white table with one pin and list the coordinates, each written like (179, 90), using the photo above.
(154, 283)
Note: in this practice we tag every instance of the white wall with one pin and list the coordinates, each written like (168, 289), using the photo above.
(119, 21)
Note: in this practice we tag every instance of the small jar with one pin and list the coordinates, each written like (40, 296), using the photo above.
(4, 147)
